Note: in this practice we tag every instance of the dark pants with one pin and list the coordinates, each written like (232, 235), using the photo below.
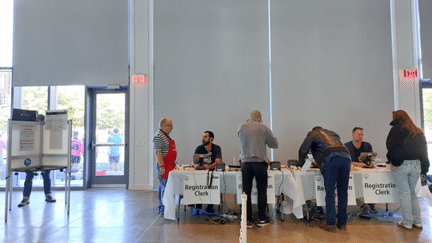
(336, 175)
(28, 183)
(259, 171)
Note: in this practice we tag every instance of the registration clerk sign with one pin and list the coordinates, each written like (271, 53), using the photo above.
(379, 188)
(200, 188)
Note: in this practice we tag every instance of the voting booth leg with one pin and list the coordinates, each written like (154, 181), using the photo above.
(7, 196)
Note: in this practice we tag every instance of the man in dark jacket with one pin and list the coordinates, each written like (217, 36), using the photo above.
(334, 161)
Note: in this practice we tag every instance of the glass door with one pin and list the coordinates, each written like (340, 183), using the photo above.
(109, 163)
(427, 119)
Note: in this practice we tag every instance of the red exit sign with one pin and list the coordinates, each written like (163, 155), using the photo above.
(409, 73)
(139, 79)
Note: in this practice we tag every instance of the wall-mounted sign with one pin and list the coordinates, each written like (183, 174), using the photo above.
(409, 73)
(139, 79)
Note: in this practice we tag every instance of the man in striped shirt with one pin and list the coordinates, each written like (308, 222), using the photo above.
(166, 155)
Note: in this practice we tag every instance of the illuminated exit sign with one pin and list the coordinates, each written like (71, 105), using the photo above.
(409, 73)
(139, 79)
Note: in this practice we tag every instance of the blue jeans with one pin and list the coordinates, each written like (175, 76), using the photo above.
(28, 183)
(335, 171)
(161, 190)
(406, 178)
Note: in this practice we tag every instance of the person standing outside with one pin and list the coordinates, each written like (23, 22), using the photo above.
(77, 150)
(166, 156)
(357, 146)
(3, 147)
(254, 138)
(215, 152)
(114, 151)
(334, 161)
(407, 153)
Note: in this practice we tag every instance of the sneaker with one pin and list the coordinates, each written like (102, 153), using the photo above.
(210, 209)
(330, 228)
(249, 224)
(401, 224)
(418, 226)
(264, 222)
(320, 210)
(341, 227)
(365, 209)
(49, 198)
(372, 208)
(24, 202)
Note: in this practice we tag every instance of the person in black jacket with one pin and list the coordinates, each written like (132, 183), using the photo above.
(334, 161)
(407, 153)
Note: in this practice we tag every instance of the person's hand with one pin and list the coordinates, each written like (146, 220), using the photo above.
(207, 166)
(423, 180)
(162, 170)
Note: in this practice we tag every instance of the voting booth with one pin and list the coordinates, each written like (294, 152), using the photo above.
(35, 145)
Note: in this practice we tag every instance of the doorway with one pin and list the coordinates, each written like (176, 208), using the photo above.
(108, 136)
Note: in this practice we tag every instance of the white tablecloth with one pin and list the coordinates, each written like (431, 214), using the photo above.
(306, 181)
(284, 183)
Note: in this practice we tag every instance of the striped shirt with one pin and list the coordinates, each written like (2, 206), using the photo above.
(160, 142)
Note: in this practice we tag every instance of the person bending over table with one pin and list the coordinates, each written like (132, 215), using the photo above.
(166, 156)
(356, 147)
(334, 161)
(215, 153)
(254, 138)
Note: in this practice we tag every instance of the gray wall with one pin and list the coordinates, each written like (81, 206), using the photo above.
(425, 12)
(70, 42)
(331, 66)
(211, 70)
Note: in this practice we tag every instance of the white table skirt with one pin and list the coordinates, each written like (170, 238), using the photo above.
(284, 183)
(307, 182)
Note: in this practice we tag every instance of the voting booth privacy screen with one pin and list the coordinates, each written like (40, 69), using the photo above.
(35, 145)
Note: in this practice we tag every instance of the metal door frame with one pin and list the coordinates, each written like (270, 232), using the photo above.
(90, 126)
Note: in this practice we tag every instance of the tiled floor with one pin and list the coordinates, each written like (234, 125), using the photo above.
(119, 215)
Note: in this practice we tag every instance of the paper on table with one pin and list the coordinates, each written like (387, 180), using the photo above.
(307, 163)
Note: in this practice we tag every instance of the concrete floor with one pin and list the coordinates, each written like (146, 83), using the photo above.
(119, 215)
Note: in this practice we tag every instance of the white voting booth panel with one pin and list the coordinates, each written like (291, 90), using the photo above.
(25, 145)
(39, 146)
(56, 148)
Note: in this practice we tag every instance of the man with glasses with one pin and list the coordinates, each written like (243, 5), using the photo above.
(166, 155)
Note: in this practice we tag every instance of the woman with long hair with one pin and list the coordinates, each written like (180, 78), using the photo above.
(407, 153)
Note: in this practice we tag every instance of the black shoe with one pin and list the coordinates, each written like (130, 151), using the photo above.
(249, 224)
(49, 198)
(210, 209)
(24, 202)
(265, 222)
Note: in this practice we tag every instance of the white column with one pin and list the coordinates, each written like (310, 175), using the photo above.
(141, 95)
(405, 56)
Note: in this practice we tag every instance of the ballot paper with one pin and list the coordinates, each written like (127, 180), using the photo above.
(308, 163)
